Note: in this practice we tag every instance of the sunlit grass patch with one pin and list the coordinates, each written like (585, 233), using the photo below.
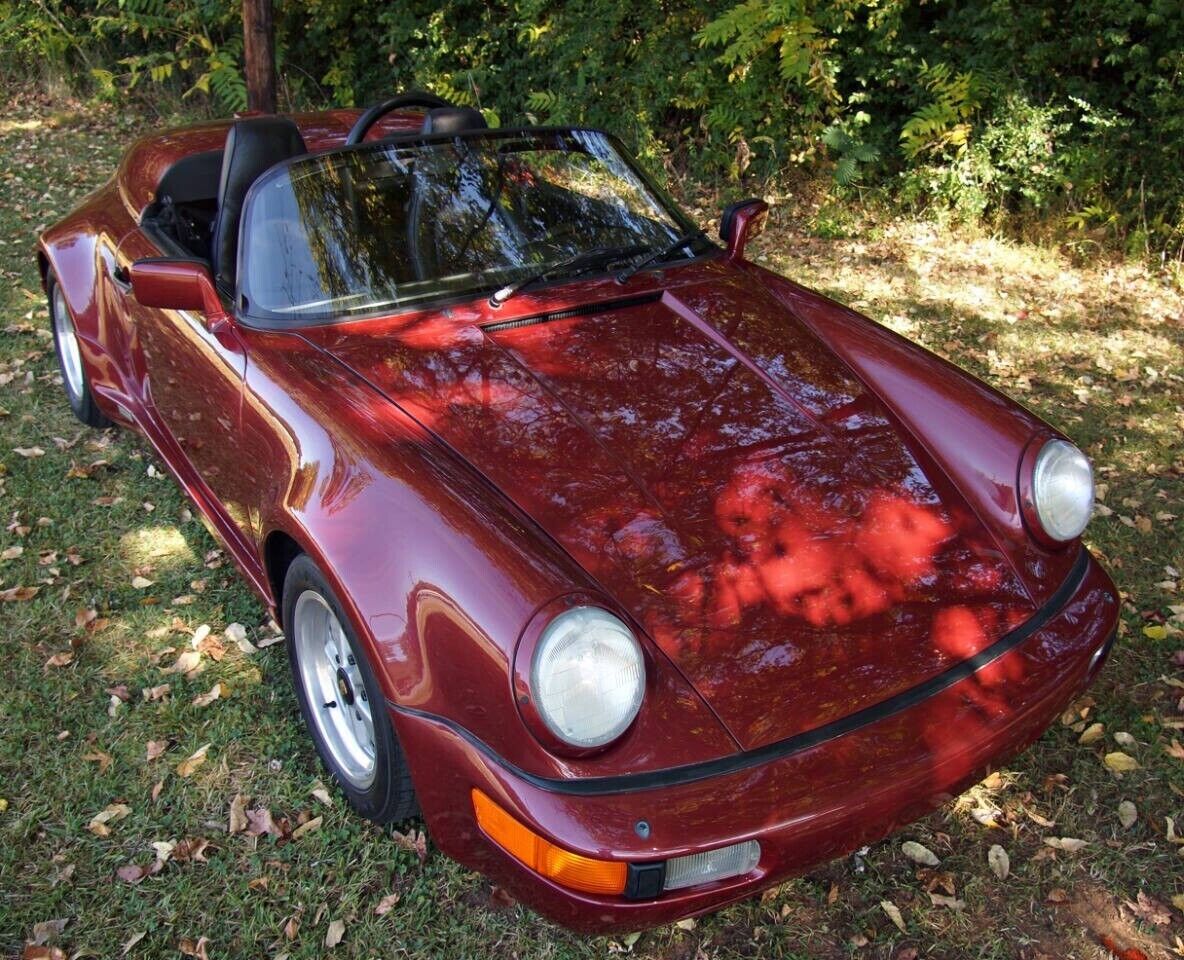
(156, 547)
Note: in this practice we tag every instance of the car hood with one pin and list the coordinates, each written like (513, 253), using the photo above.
(725, 477)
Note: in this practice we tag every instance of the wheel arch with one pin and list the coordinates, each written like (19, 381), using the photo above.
(279, 550)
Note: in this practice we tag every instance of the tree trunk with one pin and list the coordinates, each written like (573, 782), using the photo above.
(259, 55)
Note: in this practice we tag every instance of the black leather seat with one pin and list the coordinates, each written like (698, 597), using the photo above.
(452, 120)
(252, 147)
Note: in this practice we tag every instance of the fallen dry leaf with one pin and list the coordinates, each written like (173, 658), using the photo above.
(112, 813)
(195, 949)
(191, 848)
(1149, 909)
(999, 861)
(187, 662)
(1128, 814)
(236, 633)
(121, 691)
(141, 583)
(60, 660)
(893, 913)
(18, 594)
(415, 841)
(47, 931)
(11, 553)
(919, 853)
(216, 692)
(309, 827)
(1119, 762)
(32, 952)
(132, 941)
(238, 814)
(212, 647)
(386, 904)
(260, 822)
(499, 899)
(186, 767)
(1038, 819)
(335, 933)
(1175, 750)
(134, 872)
(1067, 844)
(1095, 731)
(320, 793)
(156, 693)
(154, 749)
(99, 757)
(28, 452)
(949, 902)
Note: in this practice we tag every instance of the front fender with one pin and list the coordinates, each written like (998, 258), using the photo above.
(975, 434)
(438, 572)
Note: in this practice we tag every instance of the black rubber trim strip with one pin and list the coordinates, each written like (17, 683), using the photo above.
(580, 311)
(689, 773)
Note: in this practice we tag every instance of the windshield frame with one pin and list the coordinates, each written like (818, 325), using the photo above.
(272, 320)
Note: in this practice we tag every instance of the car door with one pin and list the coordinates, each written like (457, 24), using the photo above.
(192, 396)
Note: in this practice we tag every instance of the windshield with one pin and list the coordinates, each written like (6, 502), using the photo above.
(401, 224)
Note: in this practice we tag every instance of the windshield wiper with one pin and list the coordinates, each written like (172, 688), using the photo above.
(580, 263)
(661, 254)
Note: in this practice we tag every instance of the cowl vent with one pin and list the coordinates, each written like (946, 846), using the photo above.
(580, 311)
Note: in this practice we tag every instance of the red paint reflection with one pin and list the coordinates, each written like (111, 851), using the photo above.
(826, 564)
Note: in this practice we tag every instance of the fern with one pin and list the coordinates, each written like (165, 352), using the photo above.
(943, 122)
(192, 40)
(843, 140)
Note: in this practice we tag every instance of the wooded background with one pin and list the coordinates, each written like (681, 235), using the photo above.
(1066, 111)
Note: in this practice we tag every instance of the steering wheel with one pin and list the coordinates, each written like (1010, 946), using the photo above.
(414, 98)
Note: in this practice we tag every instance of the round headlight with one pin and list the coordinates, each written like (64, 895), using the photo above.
(587, 677)
(1062, 490)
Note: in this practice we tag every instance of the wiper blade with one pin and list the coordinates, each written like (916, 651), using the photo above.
(580, 263)
(661, 254)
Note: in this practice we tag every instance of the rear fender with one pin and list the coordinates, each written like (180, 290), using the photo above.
(80, 252)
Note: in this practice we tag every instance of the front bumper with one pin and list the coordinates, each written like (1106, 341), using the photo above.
(813, 804)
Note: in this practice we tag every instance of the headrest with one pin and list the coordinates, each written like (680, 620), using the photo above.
(453, 120)
(253, 146)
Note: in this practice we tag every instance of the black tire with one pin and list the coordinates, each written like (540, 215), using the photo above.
(391, 796)
(81, 400)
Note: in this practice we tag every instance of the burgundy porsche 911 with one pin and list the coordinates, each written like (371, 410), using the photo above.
(649, 577)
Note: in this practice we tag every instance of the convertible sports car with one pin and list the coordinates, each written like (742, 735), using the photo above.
(648, 576)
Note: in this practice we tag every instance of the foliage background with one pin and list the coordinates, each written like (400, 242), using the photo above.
(1064, 112)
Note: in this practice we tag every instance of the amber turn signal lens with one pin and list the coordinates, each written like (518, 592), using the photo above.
(564, 867)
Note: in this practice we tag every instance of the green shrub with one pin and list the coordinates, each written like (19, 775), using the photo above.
(1065, 109)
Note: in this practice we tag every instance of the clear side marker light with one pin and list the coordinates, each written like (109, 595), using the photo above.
(720, 864)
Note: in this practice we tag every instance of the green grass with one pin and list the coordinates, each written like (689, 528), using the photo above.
(1097, 350)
